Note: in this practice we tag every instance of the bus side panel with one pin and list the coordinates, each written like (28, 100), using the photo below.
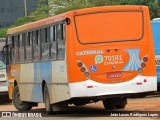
(59, 85)
(30, 83)
(22, 82)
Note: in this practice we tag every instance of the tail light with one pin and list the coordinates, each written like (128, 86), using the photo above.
(83, 68)
(86, 74)
(143, 64)
(140, 70)
(145, 59)
(80, 64)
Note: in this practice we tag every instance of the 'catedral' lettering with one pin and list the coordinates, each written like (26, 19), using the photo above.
(89, 52)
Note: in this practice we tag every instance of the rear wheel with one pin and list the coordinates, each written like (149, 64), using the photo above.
(20, 105)
(48, 106)
(108, 104)
(114, 103)
(122, 103)
(8, 100)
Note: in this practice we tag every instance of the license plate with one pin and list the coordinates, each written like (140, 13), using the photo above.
(114, 75)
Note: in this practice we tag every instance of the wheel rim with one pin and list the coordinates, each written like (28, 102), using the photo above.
(18, 100)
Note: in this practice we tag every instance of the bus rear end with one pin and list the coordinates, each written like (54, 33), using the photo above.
(113, 55)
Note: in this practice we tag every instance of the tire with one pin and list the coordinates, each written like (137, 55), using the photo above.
(114, 103)
(107, 103)
(122, 103)
(20, 105)
(4, 99)
(46, 98)
(8, 100)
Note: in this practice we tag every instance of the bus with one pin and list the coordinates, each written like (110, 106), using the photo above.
(156, 36)
(82, 56)
(4, 98)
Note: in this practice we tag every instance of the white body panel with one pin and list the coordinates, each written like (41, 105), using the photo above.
(80, 89)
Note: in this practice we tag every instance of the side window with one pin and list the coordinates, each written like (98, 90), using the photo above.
(44, 35)
(28, 46)
(36, 45)
(53, 46)
(21, 47)
(45, 44)
(61, 41)
(9, 42)
(16, 46)
(13, 49)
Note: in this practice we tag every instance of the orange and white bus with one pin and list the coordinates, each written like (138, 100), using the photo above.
(82, 56)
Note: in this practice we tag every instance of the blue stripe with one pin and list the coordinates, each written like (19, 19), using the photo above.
(42, 71)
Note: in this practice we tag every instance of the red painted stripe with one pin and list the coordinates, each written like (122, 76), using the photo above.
(139, 83)
(89, 86)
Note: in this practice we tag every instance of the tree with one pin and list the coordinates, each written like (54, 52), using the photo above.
(41, 12)
(152, 4)
(3, 32)
(61, 6)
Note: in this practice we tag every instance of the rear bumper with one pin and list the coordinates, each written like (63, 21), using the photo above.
(90, 88)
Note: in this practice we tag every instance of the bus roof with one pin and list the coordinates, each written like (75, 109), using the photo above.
(56, 18)
(35, 24)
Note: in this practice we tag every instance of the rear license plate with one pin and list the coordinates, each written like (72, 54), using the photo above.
(114, 75)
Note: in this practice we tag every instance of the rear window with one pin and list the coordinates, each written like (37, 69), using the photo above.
(112, 26)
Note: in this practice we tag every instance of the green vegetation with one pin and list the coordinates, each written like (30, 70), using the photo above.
(40, 13)
(66, 5)
(61, 6)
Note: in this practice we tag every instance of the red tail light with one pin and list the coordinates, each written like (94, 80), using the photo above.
(83, 69)
(80, 64)
(145, 59)
(143, 65)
